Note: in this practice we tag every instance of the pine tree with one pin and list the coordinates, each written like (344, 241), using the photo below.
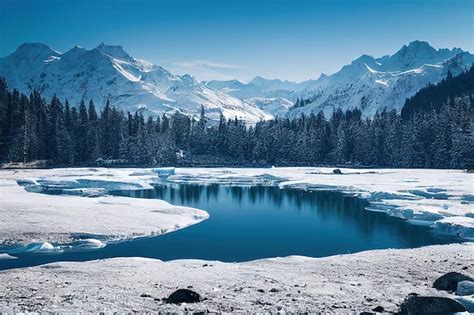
(92, 132)
(83, 151)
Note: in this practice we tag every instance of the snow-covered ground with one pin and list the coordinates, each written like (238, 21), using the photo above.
(341, 284)
(27, 217)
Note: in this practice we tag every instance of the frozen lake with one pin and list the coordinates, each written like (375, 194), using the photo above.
(255, 222)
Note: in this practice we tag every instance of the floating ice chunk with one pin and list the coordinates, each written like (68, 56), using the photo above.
(84, 245)
(5, 256)
(39, 247)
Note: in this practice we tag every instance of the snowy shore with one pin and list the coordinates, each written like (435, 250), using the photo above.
(345, 283)
(27, 217)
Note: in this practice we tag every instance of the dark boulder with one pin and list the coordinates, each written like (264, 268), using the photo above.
(337, 171)
(183, 296)
(449, 281)
(378, 309)
(415, 304)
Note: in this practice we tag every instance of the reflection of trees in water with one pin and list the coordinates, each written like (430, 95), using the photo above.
(331, 205)
(326, 205)
(212, 191)
(186, 193)
(236, 192)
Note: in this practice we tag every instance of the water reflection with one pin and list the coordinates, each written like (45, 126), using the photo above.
(279, 222)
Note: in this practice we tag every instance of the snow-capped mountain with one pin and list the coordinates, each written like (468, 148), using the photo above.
(273, 96)
(368, 83)
(259, 87)
(372, 84)
(109, 72)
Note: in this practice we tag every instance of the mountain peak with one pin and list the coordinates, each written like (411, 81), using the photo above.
(33, 53)
(416, 48)
(35, 48)
(419, 44)
(258, 79)
(115, 51)
(416, 54)
(76, 49)
(364, 59)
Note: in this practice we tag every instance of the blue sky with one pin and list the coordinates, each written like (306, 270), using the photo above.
(211, 39)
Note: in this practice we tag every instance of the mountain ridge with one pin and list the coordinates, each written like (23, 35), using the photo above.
(108, 72)
(367, 83)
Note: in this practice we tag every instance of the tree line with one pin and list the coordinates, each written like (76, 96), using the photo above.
(66, 135)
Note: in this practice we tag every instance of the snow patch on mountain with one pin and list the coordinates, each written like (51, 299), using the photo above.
(276, 106)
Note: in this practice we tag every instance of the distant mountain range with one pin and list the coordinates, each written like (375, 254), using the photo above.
(368, 83)
(109, 72)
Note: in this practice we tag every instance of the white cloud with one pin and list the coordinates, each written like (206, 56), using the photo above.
(206, 64)
(208, 70)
